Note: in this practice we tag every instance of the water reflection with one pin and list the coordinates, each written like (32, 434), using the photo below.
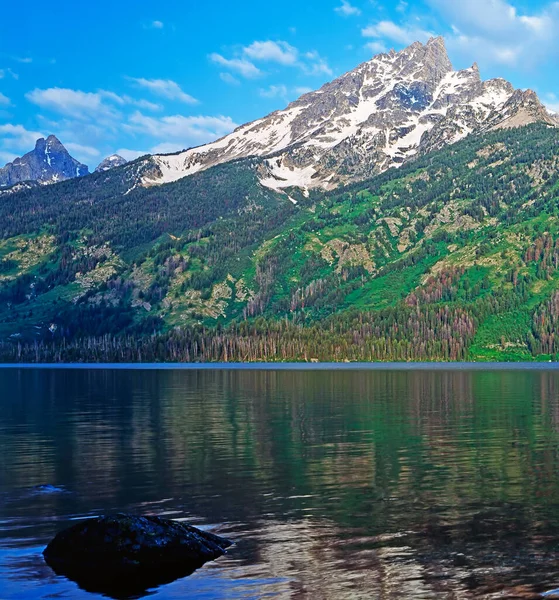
(334, 484)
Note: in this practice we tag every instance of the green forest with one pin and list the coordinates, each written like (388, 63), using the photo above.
(452, 257)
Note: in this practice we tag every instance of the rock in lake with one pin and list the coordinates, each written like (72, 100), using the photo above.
(121, 555)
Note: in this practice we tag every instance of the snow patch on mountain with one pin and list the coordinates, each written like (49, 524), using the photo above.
(378, 116)
(115, 160)
(48, 163)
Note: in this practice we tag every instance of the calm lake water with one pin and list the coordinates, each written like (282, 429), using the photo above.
(334, 485)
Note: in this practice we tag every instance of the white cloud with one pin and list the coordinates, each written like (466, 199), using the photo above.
(123, 100)
(157, 24)
(347, 9)
(279, 52)
(239, 65)
(166, 88)
(81, 150)
(166, 148)
(114, 97)
(74, 103)
(551, 102)
(495, 31)
(17, 137)
(405, 35)
(131, 154)
(228, 78)
(274, 91)
(190, 130)
(376, 47)
(4, 100)
(147, 105)
(6, 157)
(5, 72)
(93, 133)
(316, 65)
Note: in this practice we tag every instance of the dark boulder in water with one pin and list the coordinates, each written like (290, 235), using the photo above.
(121, 555)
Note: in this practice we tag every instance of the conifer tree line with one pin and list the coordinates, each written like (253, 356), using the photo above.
(452, 257)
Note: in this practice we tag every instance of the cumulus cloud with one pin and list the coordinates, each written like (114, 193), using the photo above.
(495, 31)
(4, 100)
(376, 47)
(190, 130)
(228, 78)
(551, 102)
(274, 91)
(17, 137)
(400, 34)
(166, 148)
(165, 88)
(90, 122)
(123, 100)
(242, 66)
(279, 52)
(81, 150)
(128, 154)
(74, 103)
(6, 72)
(347, 9)
(6, 157)
(316, 65)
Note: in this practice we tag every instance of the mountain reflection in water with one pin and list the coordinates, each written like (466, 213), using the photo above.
(335, 485)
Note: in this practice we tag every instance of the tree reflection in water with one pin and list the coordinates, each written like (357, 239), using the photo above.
(334, 484)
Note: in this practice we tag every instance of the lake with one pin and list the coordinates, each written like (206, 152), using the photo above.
(334, 484)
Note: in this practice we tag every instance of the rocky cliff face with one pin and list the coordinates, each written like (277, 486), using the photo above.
(378, 116)
(49, 162)
(110, 163)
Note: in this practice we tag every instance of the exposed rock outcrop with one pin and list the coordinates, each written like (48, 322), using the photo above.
(49, 162)
(380, 115)
(125, 554)
(111, 162)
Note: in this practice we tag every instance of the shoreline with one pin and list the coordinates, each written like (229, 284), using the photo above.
(388, 366)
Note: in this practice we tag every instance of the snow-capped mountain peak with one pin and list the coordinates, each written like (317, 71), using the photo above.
(379, 115)
(49, 162)
(115, 160)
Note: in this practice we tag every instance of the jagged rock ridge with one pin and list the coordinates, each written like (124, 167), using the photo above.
(110, 162)
(378, 116)
(49, 162)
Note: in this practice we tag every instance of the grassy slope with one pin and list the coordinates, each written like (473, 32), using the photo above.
(451, 229)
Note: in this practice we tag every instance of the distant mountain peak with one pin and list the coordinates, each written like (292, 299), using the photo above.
(381, 114)
(115, 160)
(49, 162)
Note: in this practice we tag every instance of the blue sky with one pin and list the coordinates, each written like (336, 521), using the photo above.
(136, 76)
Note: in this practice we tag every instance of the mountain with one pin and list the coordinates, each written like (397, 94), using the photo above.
(110, 163)
(49, 162)
(388, 110)
(453, 256)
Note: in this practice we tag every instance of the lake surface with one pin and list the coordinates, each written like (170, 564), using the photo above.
(334, 484)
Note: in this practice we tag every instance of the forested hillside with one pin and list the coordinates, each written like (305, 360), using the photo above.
(454, 256)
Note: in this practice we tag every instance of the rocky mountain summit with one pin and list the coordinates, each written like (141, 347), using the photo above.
(49, 162)
(383, 113)
(110, 162)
